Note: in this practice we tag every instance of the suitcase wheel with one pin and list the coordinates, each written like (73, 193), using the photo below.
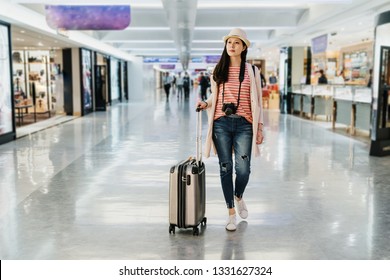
(171, 229)
(204, 221)
(195, 231)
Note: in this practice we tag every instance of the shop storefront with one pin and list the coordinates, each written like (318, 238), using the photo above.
(40, 84)
(7, 125)
(348, 105)
(110, 81)
(380, 136)
(345, 99)
(101, 82)
(124, 81)
(36, 85)
(115, 80)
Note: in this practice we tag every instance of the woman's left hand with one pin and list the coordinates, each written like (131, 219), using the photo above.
(259, 137)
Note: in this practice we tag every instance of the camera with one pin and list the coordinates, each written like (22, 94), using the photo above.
(229, 108)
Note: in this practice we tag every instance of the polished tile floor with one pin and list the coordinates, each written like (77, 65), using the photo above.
(96, 187)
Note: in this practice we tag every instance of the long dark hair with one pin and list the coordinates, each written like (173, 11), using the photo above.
(221, 70)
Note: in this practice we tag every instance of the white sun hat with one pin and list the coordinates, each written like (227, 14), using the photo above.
(238, 33)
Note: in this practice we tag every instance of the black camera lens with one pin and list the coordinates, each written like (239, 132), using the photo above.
(229, 109)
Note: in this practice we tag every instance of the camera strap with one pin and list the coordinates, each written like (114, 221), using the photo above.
(241, 78)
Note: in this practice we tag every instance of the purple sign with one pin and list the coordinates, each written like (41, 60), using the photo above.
(161, 59)
(319, 44)
(213, 58)
(115, 17)
(167, 66)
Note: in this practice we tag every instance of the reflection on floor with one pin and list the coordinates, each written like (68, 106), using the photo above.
(96, 187)
(33, 127)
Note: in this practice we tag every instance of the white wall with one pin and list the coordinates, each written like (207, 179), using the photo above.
(135, 78)
(76, 82)
(298, 58)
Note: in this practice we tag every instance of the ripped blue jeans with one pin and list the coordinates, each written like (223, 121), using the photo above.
(233, 134)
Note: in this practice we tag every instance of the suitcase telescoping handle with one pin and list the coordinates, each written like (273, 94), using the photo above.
(199, 136)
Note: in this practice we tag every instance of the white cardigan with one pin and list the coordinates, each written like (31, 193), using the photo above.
(256, 107)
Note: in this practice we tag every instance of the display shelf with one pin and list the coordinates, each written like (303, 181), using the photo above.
(363, 116)
(297, 103)
(343, 113)
(323, 105)
(356, 65)
(322, 90)
(296, 89)
(343, 93)
(363, 95)
(345, 104)
(19, 76)
(340, 92)
(307, 89)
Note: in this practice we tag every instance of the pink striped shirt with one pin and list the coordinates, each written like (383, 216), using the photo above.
(231, 94)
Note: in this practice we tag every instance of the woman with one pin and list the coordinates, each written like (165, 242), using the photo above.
(235, 120)
(322, 79)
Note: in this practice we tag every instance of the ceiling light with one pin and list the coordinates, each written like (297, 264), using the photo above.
(139, 41)
(153, 28)
(150, 49)
(206, 49)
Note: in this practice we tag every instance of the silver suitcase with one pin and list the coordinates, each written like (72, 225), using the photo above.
(187, 190)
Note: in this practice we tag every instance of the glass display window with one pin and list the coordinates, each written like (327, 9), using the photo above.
(38, 67)
(86, 66)
(32, 85)
(19, 74)
(115, 82)
(6, 116)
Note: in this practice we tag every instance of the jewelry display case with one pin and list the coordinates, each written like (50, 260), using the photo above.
(344, 104)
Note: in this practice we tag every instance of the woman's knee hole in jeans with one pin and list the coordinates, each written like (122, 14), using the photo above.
(243, 166)
(226, 168)
(245, 158)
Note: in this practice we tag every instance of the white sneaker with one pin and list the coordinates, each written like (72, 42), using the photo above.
(231, 223)
(241, 207)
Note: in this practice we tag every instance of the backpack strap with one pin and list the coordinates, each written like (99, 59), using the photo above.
(253, 67)
(254, 72)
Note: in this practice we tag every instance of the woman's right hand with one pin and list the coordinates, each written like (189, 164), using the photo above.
(201, 105)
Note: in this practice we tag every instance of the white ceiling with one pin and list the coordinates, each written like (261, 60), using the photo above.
(191, 28)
